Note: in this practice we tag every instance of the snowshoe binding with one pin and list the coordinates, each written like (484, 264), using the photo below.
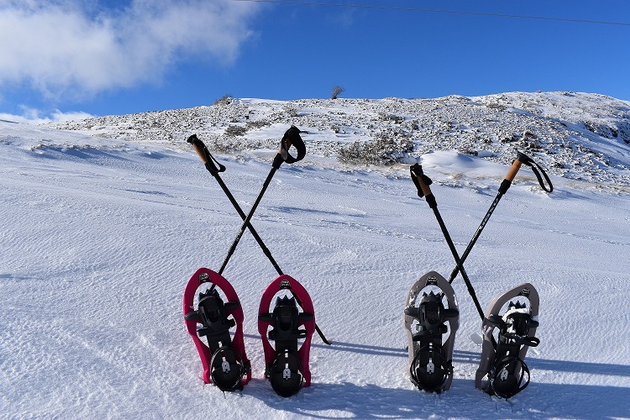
(287, 362)
(427, 321)
(506, 338)
(223, 358)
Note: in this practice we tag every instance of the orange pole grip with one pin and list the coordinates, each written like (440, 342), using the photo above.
(513, 170)
(424, 187)
(198, 146)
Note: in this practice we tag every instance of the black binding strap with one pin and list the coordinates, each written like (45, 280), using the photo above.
(285, 373)
(538, 170)
(503, 381)
(227, 369)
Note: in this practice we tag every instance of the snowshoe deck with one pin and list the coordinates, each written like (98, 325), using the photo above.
(426, 322)
(287, 361)
(223, 357)
(506, 338)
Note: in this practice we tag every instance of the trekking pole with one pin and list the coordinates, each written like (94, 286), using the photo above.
(282, 156)
(290, 138)
(422, 182)
(209, 161)
(521, 159)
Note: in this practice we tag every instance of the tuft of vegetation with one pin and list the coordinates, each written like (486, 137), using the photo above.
(337, 90)
(258, 124)
(225, 100)
(226, 145)
(235, 131)
(385, 149)
(397, 119)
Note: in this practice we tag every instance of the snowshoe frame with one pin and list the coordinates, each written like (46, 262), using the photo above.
(287, 353)
(233, 351)
(427, 346)
(506, 362)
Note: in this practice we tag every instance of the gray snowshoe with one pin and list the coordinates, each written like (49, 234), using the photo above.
(506, 338)
(428, 322)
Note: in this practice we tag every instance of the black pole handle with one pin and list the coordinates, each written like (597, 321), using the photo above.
(420, 180)
(291, 138)
(422, 183)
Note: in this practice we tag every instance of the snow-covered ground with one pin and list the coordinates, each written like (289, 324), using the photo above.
(103, 225)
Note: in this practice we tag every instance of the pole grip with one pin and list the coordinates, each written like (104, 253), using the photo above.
(291, 138)
(212, 165)
(507, 182)
(199, 147)
(516, 165)
(426, 190)
(422, 182)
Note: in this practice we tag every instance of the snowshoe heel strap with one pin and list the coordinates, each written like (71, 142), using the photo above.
(285, 374)
(227, 369)
(503, 381)
(429, 371)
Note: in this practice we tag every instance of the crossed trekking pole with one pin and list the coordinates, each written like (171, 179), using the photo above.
(422, 183)
(290, 139)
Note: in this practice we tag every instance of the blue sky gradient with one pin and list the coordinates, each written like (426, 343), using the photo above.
(120, 57)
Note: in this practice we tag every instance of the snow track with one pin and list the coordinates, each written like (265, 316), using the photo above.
(99, 238)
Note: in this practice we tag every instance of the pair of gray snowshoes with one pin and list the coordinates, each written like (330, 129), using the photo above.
(431, 318)
(431, 314)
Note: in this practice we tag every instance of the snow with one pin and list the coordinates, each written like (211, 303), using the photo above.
(104, 221)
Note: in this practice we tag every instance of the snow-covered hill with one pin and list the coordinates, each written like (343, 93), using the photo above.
(578, 136)
(104, 221)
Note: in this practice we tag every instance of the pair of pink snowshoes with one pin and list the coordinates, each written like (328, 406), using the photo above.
(214, 317)
(218, 317)
(215, 324)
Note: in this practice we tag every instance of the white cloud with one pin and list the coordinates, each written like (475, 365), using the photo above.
(34, 116)
(63, 48)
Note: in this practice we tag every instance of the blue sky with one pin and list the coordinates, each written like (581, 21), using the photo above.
(117, 57)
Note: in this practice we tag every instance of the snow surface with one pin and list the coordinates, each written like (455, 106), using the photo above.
(100, 232)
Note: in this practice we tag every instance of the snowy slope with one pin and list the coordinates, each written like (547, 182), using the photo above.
(578, 136)
(100, 232)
